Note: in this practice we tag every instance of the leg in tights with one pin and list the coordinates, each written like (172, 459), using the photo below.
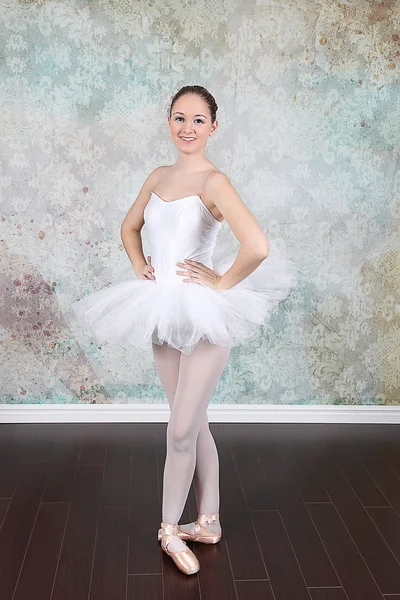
(206, 475)
(188, 381)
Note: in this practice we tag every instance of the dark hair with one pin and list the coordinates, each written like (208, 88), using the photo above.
(200, 91)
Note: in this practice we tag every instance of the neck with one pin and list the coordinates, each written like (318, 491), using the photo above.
(192, 162)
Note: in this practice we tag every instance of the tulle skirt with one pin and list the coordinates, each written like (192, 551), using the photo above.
(136, 312)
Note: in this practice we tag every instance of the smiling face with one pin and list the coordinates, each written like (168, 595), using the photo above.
(190, 123)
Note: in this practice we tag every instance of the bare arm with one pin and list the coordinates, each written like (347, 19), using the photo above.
(254, 244)
(133, 223)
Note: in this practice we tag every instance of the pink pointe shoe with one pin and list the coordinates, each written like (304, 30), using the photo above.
(201, 534)
(185, 560)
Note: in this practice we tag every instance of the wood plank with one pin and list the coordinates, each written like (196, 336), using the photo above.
(94, 447)
(111, 554)
(4, 504)
(360, 480)
(254, 590)
(385, 478)
(65, 443)
(256, 487)
(388, 524)
(148, 587)
(307, 482)
(145, 506)
(376, 554)
(327, 594)
(314, 562)
(18, 524)
(355, 577)
(215, 575)
(235, 519)
(16, 448)
(76, 558)
(279, 557)
(40, 564)
(116, 486)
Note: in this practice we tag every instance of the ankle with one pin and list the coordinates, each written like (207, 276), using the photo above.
(169, 528)
(207, 519)
(210, 522)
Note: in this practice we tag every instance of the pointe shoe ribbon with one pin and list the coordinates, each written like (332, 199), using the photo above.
(185, 560)
(200, 534)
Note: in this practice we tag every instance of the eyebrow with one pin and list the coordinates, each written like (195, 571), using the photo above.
(181, 113)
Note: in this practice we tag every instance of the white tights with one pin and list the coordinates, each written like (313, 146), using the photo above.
(189, 381)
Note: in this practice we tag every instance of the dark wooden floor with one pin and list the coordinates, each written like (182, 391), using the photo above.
(307, 511)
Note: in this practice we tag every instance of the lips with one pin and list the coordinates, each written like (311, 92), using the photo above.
(187, 140)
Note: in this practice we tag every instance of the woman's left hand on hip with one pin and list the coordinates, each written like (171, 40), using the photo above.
(199, 273)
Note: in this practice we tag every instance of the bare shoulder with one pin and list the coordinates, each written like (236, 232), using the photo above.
(134, 219)
(153, 177)
(217, 181)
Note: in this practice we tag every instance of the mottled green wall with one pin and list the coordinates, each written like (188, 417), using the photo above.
(309, 134)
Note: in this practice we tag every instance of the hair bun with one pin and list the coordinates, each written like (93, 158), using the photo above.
(200, 91)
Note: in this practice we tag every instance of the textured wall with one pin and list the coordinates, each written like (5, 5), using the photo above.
(309, 134)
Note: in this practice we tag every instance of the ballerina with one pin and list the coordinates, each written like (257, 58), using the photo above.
(192, 310)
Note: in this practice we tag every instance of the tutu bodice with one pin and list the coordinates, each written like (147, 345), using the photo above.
(140, 311)
(179, 229)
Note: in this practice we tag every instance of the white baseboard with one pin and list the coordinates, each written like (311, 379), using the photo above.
(217, 413)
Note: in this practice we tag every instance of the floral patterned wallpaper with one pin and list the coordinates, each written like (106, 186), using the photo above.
(309, 133)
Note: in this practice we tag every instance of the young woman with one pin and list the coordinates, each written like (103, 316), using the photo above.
(191, 309)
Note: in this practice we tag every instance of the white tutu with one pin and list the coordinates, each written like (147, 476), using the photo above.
(137, 312)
